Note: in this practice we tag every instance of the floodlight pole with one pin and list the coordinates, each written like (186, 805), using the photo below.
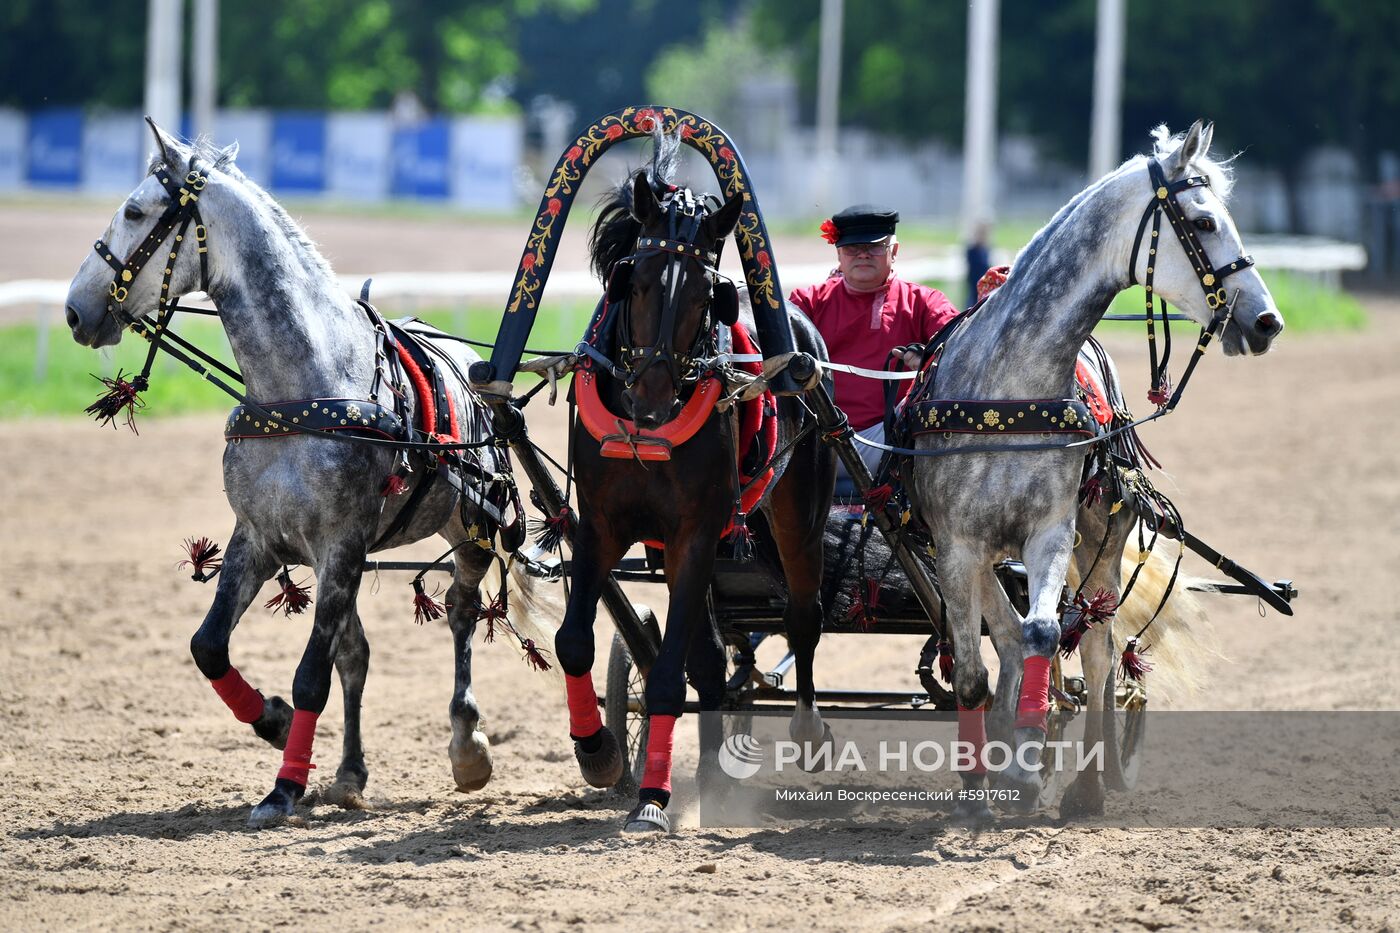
(828, 98)
(979, 134)
(1106, 135)
(205, 66)
(164, 32)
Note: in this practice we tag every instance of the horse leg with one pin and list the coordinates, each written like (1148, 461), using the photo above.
(246, 568)
(960, 570)
(596, 748)
(690, 560)
(338, 583)
(1085, 795)
(797, 520)
(1047, 554)
(469, 750)
(352, 665)
(704, 665)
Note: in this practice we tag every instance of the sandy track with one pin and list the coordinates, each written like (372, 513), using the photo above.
(128, 783)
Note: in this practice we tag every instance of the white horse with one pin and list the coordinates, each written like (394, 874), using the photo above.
(305, 348)
(1022, 344)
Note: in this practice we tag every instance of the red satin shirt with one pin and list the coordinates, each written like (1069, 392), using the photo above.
(860, 329)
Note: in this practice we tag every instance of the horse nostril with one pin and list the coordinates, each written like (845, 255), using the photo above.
(1268, 323)
(71, 313)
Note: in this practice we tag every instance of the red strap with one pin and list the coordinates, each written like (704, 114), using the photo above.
(296, 758)
(1034, 704)
(246, 703)
(427, 405)
(972, 729)
(658, 770)
(584, 719)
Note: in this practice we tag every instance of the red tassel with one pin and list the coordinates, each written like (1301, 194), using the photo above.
(1134, 666)
(945, 661)
(395, 485)
(1082, 615)
(864, 600)
(1161, 393)
(120, 395)
(495, 611)
(426, 608)
(741, 538)
(548, 532)
(1091, 493)
(204, 559)
(877, 497)
(534, 655)
(293, 598)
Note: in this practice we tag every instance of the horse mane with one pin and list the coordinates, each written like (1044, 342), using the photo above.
(615, 232)
(1164, 144)
(203, 149)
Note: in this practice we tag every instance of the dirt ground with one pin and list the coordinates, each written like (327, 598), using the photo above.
(128, 783)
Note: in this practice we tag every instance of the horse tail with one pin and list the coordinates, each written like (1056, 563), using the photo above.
(534, 614)
(1182, 643)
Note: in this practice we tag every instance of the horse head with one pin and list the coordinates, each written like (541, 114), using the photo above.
(1196, 261)
(668, 293)
(157, 230)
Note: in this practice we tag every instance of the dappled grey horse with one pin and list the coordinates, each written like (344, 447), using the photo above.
(1022, 345)
(304, 348)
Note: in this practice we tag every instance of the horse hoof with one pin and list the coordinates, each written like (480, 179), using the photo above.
(471, 761)
(274, 723)
(1021, 792)
(345, 795)
(603, 767)
(817, 761)
(647, 817)
(1082, 799)
(973, 813)
(277, 806)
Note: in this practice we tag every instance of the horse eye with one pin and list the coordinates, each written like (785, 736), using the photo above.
(133, 212)
(1205, 224)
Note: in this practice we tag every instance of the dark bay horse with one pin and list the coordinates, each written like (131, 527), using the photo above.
(302, 344)
(656, 247)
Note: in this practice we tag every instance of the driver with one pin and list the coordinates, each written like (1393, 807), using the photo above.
(863, 310)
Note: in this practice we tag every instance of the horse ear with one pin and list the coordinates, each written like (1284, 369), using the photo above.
(1190, 148)
(723, 221)
(228, 154)
(1207, 137)
(645, 207)
(169, 149)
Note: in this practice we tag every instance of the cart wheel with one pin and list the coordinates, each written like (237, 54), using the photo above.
(1130, 701)
(625, 704)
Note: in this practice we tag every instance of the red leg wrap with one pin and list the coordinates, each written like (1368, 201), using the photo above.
(658, 771)
(246, 703)
(972, 728)
(584, 718)
(296, 759)
(1034, 704)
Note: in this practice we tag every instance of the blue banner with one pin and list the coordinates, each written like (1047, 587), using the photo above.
(56, 147)
(421, 160)
(299, 153)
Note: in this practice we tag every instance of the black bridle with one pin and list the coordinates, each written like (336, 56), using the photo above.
(1211, 278)
(181, 211)
(684, 215)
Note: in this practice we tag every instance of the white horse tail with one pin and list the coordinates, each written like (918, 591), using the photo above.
(532, 613)
(1181, 642)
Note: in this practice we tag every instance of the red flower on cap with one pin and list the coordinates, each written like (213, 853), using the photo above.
(615, 131)
(527, 262)
(686, 131)
(726, 153)
(555, 205)
(763, 258)
(573, 153)
(829, 231)
(645, 120)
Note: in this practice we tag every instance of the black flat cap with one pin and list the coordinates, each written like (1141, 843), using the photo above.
(864, 223)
